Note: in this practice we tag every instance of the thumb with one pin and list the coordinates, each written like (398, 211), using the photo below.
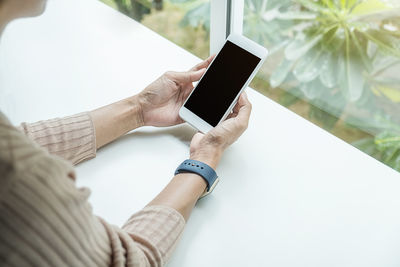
(187, 76)
(244, 109)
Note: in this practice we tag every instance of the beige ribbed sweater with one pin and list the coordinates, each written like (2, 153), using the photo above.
(45, 220)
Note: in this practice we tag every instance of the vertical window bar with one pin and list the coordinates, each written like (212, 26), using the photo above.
(226, 17)
(236, 16)
(218, 24)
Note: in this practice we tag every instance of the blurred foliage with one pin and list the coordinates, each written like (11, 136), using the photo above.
(132, 8)
(169, 23)
(197, 13)
(336, 60)
(384, 146)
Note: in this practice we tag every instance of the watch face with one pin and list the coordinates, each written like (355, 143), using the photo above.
(211, 188)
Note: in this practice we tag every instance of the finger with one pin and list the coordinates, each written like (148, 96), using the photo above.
(203, 64)
(239, 103)
(237, 106)
(186, 91)
(186, 77)
(244, 112)
(231, 115)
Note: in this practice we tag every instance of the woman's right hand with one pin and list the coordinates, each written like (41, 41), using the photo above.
(209, 147)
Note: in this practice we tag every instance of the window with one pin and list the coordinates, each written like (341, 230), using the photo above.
(184, 22)
(334, 62)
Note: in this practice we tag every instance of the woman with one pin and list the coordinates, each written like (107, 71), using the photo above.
(46, 221)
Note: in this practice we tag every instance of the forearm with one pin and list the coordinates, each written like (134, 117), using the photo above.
(185, 189)
(115, 120)
(181, 193)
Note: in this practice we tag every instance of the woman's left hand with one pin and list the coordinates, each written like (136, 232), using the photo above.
(161, 100)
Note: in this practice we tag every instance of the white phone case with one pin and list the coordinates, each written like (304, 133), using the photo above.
(245, 44)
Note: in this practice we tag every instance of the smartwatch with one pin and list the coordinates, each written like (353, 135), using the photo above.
(202, 169)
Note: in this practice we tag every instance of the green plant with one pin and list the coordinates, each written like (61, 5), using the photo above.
(337, 36)
(133, 8)
(197, 13)
(342, 60)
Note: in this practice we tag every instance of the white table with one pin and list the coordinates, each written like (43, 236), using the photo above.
(290, 194)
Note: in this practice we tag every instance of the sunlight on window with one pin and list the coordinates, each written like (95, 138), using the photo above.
(334, 62)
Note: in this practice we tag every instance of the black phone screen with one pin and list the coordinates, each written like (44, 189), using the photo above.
(221, 83)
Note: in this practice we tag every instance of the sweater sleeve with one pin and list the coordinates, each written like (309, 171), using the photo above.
(72, 138)
(45, 220)
(147, 239)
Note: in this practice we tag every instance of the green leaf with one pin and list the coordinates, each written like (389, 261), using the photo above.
(280, 73)
(330, 41)
(387, 140)
(312, 5)
(330, 4)
(351, 4)
(351, 72)
(383, 63)
(361, 44)
(329, 70)
(127, 3)
(390, 92)
(369, 6)
(312, 90)
(308, 67)
(387, 42)
(299, 47)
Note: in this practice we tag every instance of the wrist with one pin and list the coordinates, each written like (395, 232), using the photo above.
(135, 110)
(115, 120)
(210, 156)
(145, 107)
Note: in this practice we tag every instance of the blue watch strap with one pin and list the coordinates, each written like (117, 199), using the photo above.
(200, 168)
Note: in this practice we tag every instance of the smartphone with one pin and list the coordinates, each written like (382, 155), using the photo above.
(219, 88)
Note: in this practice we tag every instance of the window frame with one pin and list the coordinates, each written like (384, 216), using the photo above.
(226, 17)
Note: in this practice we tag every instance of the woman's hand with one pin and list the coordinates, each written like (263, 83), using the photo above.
(208, 148)
(162, 99)
(185, 189)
